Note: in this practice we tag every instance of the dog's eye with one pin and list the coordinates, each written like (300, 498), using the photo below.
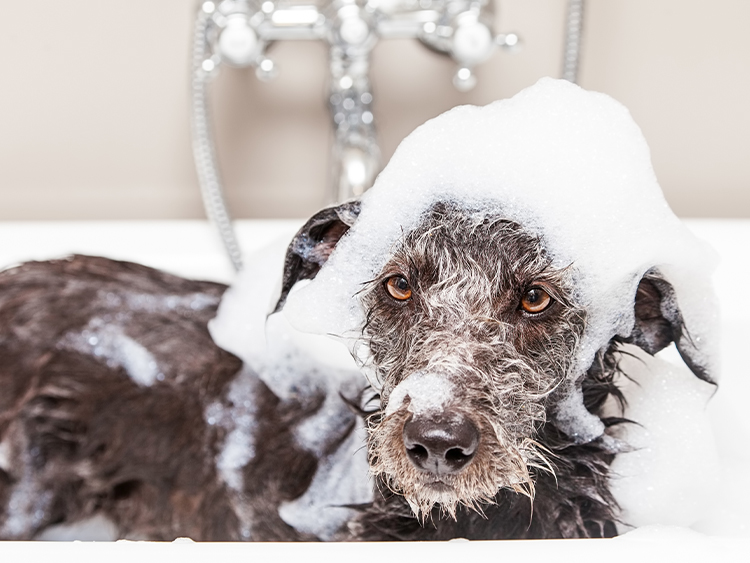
(398, 288)
(535, 300)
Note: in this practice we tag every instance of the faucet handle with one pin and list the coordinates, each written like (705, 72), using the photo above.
(472, 41)
(238, 43)
(231, 36)
(471, 46)
(236, 36)
(463, 32)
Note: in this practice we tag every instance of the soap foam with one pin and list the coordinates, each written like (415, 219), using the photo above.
(669, 476)
(109, 343)
(427, 392)
(573, 168)
(296, 367)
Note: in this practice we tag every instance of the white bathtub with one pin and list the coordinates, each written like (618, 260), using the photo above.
(190, 248)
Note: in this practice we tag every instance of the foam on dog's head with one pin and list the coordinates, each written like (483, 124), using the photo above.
(568, 165)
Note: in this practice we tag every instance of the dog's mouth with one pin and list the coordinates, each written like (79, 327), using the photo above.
(438, 486)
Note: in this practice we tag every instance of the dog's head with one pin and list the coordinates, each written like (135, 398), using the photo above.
(477, 296)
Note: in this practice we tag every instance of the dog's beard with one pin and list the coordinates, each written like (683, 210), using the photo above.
(500, 462)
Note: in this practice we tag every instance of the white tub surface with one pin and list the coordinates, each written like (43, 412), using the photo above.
(190, 248)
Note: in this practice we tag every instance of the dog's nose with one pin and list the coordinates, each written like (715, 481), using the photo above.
(443, 444)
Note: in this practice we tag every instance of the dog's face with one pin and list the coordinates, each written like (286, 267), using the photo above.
(470, 331)
(469, 328)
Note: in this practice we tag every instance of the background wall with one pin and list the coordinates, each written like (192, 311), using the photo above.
(94, 113)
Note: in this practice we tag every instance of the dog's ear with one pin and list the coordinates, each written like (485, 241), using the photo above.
(658, 322)
(313, 244)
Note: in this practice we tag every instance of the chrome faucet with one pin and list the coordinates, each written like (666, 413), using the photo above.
(238, 32)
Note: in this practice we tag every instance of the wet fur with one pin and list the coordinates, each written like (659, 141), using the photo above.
(81, 437)
(571, 501)
(85, 439)
(468, 272)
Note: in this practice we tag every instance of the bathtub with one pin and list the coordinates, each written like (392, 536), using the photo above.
(191, 249)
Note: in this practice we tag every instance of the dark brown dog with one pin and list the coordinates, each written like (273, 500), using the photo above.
(116, 403)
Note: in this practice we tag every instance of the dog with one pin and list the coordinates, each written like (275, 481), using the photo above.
(490, 355)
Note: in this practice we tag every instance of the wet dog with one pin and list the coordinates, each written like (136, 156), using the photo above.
(116, 402)
(470, 332)
(483, 294)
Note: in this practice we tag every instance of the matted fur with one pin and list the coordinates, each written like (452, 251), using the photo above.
(84, 434)
(81, 437)
(468, 272)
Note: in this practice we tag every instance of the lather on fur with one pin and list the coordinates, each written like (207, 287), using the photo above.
(524, 478)
(486, 406)
(84, 434)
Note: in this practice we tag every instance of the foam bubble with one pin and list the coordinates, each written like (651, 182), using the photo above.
(668, 478)
(108, 342)
(341, 481)
(426, 391)
(295, 366)
(570, 166)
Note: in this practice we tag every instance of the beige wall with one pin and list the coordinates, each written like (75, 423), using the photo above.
(94, 104)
